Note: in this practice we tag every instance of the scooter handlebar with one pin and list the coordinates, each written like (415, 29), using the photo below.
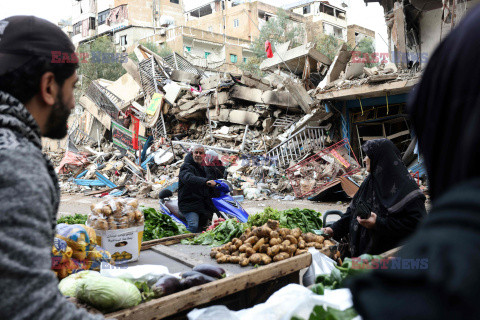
(222, 186)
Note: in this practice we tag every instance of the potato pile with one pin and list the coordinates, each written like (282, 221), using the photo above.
(115, 213)
(262, 245)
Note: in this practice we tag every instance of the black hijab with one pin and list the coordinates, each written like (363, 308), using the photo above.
(389, 179)
(386, 190)
(445, 111)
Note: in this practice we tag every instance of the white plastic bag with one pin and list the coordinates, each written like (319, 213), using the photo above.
(291, 300)
(148, 272)
(321, 264)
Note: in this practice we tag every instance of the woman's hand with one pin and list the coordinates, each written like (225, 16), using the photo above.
(328, 231)
(368, 223)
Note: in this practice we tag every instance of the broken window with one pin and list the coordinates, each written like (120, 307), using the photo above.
(233, 58)
(333, 30)
(306, 9)
(207, 54)
(236, 23)
(77, 28)
(326, 9)
(91, 23)
(244, 60)
(123, 40)
(102, 17)
(188, 49)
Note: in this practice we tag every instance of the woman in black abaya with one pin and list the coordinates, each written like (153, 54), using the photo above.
(390, 194)
(445, 112)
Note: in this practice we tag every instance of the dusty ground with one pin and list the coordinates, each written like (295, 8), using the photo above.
(77, 203)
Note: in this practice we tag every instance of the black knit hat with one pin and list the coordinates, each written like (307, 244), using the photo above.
(23, 37)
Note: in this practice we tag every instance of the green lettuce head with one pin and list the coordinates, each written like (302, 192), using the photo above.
(108, 294)
(68, 286)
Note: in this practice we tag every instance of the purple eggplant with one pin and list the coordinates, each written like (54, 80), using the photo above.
(166, 285)
(196, 273)
(209, 270)
(195, 280)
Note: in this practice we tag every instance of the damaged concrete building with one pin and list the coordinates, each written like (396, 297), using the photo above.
(372, 101)
(163, 106)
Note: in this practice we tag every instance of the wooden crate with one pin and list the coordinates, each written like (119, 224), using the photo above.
(239, 291)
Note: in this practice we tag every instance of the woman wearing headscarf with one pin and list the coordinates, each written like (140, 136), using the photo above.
(389, 195)
(445, 113)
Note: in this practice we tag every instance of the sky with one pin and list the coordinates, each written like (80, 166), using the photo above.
(371, 16)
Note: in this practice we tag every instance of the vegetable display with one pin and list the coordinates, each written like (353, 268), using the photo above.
(335, 279)
(223, 233)
(215, 223)
(262, 245)
(158, 225)
(108, 294)
(168, 284)
(328, 313)
(75, 219)
(68, 286)
(306, 219)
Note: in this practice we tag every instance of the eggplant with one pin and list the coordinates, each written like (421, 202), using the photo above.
(195, 280)
(166, 285)
(209, 270)
(196, 273)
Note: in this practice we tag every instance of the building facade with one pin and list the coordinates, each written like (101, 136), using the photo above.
(356, 33)
(321, 18)
(127, 21)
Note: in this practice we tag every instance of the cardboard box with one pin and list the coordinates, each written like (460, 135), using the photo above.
(123, 244)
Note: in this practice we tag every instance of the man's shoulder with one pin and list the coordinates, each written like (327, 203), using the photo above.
(10, 140)
(19, 150)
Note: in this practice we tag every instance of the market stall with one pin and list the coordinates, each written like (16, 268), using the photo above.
(162, 277)
(242, 288)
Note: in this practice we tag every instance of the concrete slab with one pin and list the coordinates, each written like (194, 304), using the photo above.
(354, 70)
(339, 63)
(186, 106)
(125, 87)
(243, 117)
(223, 115)
(186, 77)
(248, 94)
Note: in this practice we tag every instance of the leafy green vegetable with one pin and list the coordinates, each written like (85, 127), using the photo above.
(261, 218)
(223, 233)
(68, 286)
(319, 313)
(305, 219)
(146, 292)
(108, 294)
(336, 278)
(75, 219)
(158, 225)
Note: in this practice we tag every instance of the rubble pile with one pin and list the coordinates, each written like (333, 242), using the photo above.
(146, 121)
(130, 136)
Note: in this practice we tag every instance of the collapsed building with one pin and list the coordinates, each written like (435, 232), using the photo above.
(273, 133)
(130, 135)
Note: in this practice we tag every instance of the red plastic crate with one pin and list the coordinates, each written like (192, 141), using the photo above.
(323, 169)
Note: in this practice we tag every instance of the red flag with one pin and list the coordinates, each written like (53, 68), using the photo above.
(136, 127)
(268, 49)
